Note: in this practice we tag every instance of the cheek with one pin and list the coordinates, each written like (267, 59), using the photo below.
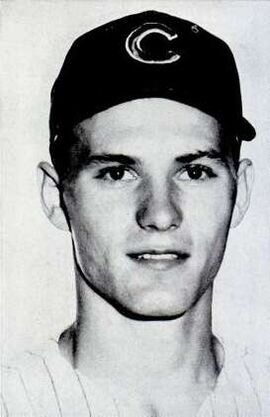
(209, 213)
(100, 218)
(207, 222)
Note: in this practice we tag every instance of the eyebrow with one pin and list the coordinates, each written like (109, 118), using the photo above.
(127, 160)
(190, 157)
(103, 158)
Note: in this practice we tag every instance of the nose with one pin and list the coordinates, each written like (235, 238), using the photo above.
(158, 210)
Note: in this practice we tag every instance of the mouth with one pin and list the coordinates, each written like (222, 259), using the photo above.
(159, 259)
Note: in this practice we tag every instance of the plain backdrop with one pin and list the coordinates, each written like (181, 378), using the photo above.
(37, 293)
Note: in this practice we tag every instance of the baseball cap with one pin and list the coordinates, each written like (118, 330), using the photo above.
(149, 54)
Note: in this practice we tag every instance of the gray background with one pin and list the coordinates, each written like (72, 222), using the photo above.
(37, 271)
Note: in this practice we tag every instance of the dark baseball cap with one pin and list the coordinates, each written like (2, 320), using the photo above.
(149, 54)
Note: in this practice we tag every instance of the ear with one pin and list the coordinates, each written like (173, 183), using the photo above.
(245, 177)
(50, 195)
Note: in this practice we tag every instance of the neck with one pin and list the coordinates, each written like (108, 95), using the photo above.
(108, 343)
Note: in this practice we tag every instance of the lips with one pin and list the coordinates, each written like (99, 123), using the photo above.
(159, 259)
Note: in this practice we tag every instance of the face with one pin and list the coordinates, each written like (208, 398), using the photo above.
(150, 211)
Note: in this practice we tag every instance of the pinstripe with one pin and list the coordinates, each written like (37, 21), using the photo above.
(53, 387)
(25, 389)
(5, 405)
(253, 386)
(234, 398)
(212, 406)
(84, 393)
(116, 407)
(236, 406)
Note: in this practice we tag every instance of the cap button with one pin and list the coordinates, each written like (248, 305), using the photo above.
(195, 29)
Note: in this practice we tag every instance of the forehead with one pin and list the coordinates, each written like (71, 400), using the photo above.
(155, 125)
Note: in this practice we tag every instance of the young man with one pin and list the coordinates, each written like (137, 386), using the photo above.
(146, 126)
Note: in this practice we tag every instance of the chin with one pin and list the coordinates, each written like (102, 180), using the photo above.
(152, 308)
(152, 315)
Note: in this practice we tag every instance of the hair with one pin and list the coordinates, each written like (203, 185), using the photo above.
(230, 145)
(69, 152)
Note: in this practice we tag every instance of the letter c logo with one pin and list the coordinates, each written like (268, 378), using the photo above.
(161, 37)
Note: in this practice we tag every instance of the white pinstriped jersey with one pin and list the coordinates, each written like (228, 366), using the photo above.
(45, 385)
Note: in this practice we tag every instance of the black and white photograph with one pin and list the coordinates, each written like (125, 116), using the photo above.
(135, 208)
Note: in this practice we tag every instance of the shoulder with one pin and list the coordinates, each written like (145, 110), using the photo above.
(41, 383)
(25, 379)
(257, 367)
(246, 380)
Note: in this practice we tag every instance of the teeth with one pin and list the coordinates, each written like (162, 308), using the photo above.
(156, 257)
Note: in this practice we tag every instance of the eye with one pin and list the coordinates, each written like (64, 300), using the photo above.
(117, 173)
(195, 173)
